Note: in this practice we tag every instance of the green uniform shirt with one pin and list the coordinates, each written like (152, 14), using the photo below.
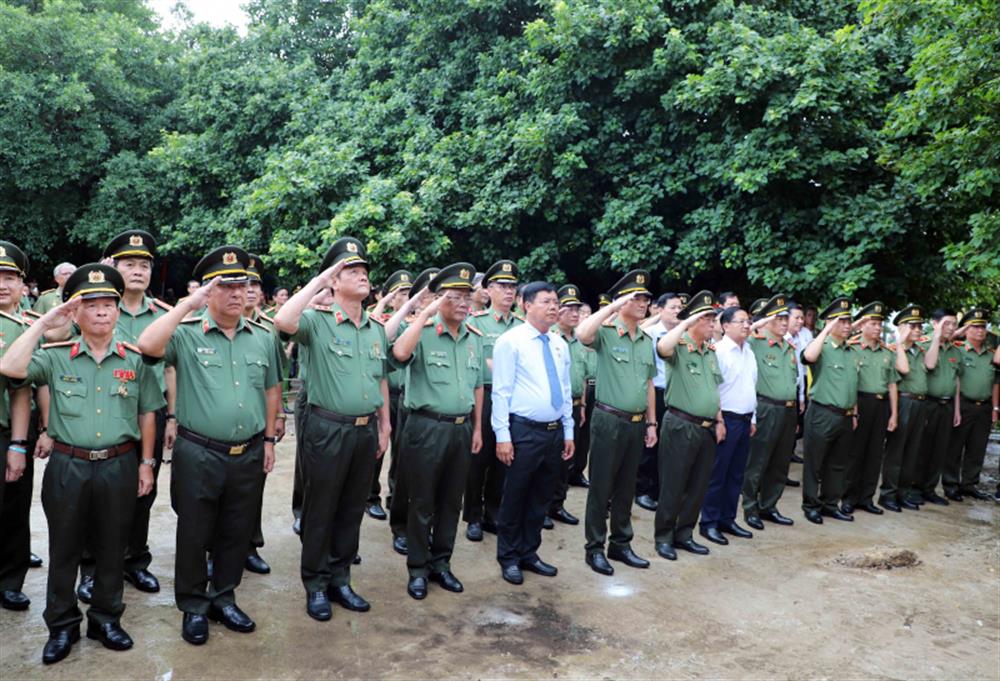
(624, 366)
(915, 381)
(579, 361)
(93, 404)
(942, 378)
(976, 370)
(777, 367)
(694, 379)
(130, 327)
(876, 367)
(348, 362)
(444, 371)
(493, 325)
(221, 382)
(11, 327)
(279, 347)
(48, 300)
(835, 375)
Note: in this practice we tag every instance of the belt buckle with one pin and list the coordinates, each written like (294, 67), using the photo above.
(789, 403)
(361, 420)
(635, 418)
(460, 420)
(236, 450)
(706, 424)
(552, 426)
(880, 397)
(98, 454)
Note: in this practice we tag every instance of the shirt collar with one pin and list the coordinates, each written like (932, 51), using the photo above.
(340, 315)
(968, 346)
(80, 347)
(689, 342)
(208, 323)
(441, 328)
(147, 306)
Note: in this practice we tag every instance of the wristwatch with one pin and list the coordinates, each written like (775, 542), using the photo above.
(148, 462)
(271, 439)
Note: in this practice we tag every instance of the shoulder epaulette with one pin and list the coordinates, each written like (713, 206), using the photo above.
(758, 335)
(58, 344)
(18, 320)
(162, 305)
(266, 318)
(889, 346)
(791, 343)
(608, 323)
(430, 322)
(516, 315)
(480, 313)
(188, 320)
(48, 290)
(958, 344)
(322, 308)
(31, 313)
(376, 320)
(474, 330)
(259, 325)
(854, 341)
(129, 346)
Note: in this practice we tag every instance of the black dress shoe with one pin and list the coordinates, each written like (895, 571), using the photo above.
(691, 546)
(297, 526)
(873, 509)
(580, 481)
(512, 574)
(59, 644)
(665, 550)
(356, 560)
(627, 555)
(417, 588)
(754, 521)
(814, 517)
(539, 567)
(85, 591)
(599, 564)
(194, 628)
(318, 606)
(345, 597)
(647, 502)
(837, 514)
(489, 527)
(232, 617)
(954, 496)
(890, 505)
(774, 516)
(256, 564)
(547, 523)
(713, 535)
(976, 494)
(447, 581)
(735, 530)
(14, 600)
(474, 532)
(847, 508)
(34, 561)
(564, 516)
(110, 634)
(796, 459)
(143, 580)
(376, 511)
(399, 545)
(909, 505)
(792, 483)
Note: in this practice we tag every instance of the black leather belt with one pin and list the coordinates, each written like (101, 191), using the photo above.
(976, 403)
(230, 448)
(777, 403)
(835, 410)
(94, 454)
(707, 424)
(913, 396)
(591, 382)
(877, 396)
(540, 425)
(577, 401)
(341, 418)
(434, 416)
(940, 400)
(631, 417)
(741, 417)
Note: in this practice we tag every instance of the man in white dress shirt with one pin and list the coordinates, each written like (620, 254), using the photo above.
(738, 401)
(800, 336)
(533, 421)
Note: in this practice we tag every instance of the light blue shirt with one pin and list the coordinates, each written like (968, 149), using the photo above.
(521, 384)
(657, 331)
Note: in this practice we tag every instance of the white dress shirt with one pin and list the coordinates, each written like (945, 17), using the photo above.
(657, 331)
(738, 391)
(521, 383)
(800, 340)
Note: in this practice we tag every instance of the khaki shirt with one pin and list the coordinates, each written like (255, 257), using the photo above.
(444, 371)
(624, 366)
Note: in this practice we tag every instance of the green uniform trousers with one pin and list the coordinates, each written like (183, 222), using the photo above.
(615, 449)
(828, 436)
(436, 469)
(566, 466)
(336, 475)
(867, 450)
(87, 502)
(15, 516)
(902, 452)
(967, 447)
(301, 402)
(375, 495)
(137, 555)
(686, 458)
(938, 433)
(215, 498)
(484, 487)
(770, 456)
(399, 505)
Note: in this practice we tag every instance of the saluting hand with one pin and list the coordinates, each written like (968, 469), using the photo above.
(432, 307)
(199, 298)
(903, 333)
(331, 272)
(60, 315)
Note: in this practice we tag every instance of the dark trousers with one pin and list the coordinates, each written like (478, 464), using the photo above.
(867, 450)
(527, 491)
(375, 495)
(687, 454)
(336, 472)
(15, 515)
(215, 498)
(565, 467)
(648, 479)
(902, 452)
(137, 555)
(827, 444)
(582, 445)
(967, 447)
(399, 505)
(615, 448)
(87, 500)
(485, 484)
(938, 433)
(723, 495)
(436, 468)
(770, 455)
(301, 402)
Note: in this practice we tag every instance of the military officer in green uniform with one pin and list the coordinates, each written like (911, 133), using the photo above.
(902, 449)
(54, 296)
(879, 369)
(445, 365)
(692, 426)
(102, 401)
(968, 445)
(228, 397)
(943, 407)
(17, 435)
(348, 424)
(486, 473)
(624, 419)
(830, 418)
(777, 415)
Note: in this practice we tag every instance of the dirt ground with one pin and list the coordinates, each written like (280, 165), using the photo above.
(788, 604)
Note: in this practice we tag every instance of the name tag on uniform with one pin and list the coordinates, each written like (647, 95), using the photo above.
(69, 379)
(205, 351)
(439, 353)
(341, 341)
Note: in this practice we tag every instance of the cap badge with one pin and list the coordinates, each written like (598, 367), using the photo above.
(135, 240)
(229, 258)
(844, 304)
(96, 277)
(253, 263)
(571, 291)
(505, 267)
(640, 279)
(780, 301)
(3, 252)
(352, 247)
(463, 273)
(404, 277)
